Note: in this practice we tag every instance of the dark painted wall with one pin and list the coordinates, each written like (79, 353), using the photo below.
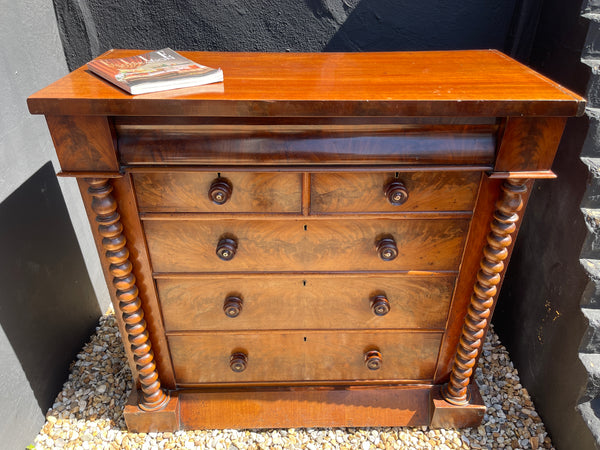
(90, 28)
(538, 315)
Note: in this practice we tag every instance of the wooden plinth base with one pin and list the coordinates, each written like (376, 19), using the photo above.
(140, 421)
(295, 407)
(446, 415)
(305, 407)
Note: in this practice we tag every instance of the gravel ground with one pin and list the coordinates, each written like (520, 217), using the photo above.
(87, 414)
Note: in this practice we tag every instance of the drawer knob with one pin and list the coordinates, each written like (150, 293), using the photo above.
(226, 248)
(233, 306)
(387, 248)
(396, 192)
(238, 361)
(373, 360)
(380, 305)
(220, 190)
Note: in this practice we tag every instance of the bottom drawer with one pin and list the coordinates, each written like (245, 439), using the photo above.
(302, 356)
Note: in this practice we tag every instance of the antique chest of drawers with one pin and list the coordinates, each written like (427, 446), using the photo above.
(317, 241)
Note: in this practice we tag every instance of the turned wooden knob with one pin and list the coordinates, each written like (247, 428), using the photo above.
(387, 248)
(233, 306)
(380, 305)
(396, 192)
(373, 360)
(238, 361)
(226, 248)
(220, 190)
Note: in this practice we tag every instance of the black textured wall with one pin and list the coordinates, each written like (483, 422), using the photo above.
(538, 315)
(92, 27)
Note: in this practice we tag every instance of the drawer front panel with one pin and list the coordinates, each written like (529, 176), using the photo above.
(308, 302)
(189, 192)
(305, 245)
(305, 141)
(365, 192)
(303, 356)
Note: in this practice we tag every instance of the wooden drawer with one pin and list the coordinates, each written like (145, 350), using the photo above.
(366, 192)
(189, 192)
(308, 302)
(305, 245)
(303, 356)
(299, 141)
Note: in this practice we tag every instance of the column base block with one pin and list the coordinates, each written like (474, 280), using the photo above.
(447, 415)
(165, 419)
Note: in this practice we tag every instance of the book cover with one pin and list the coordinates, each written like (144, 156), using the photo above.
(155, 71)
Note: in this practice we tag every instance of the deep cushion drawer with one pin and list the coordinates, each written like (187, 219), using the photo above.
(304, 245)
(218, 192)
(287, 141)
(303, 356)
(305, 302)
(393, 192)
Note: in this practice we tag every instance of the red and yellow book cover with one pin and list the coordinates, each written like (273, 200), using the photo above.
(154, 71)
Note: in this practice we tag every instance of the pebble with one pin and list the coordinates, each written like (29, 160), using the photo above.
(87, 413)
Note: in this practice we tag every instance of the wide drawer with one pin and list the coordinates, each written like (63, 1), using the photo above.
(305, 245)
(189, 192)
(376, 192)
(305, 302)
(303, 356)
(305, 141)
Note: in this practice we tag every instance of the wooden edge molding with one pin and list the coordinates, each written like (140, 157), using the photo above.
(77, 174)
(304, 168)
(543, 174)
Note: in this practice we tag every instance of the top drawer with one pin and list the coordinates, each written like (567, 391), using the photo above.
(314, 141)
(240, 192)
(393, 192)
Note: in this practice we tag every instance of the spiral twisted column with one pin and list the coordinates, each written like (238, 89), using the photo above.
(488, 277)
(117, 253)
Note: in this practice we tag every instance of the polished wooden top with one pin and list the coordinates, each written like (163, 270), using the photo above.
(455, 83)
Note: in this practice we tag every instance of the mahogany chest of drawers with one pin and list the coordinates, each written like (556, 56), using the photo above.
(317, 241)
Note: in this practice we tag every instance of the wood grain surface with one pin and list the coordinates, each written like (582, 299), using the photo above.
(138, 255)
(188, 192)
(305, 245)
(364, 192)
(309, 144)
(303, 356)
(84, 143)
(529, 143)
(307, 302)
(284, 143)
(464, 83)
(381, 406)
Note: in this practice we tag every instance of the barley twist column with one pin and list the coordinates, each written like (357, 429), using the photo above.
(114, 242)
(488, 277)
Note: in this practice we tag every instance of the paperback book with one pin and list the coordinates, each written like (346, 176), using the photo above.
(155, 71)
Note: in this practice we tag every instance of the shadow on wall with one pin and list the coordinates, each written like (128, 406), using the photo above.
(48, 307)
(387, 25)
(88, 29)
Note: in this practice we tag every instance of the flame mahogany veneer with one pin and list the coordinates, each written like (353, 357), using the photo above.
(319, 240)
